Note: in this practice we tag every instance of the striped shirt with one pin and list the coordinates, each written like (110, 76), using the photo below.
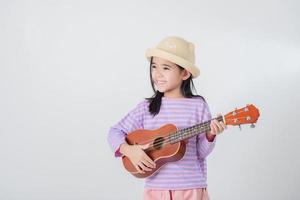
(187, 173)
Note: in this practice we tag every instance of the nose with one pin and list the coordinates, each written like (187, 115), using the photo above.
(157, 73)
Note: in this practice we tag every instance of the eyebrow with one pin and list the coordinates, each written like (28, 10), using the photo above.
(163, 64)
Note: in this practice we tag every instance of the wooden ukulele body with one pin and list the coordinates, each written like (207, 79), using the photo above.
(162, 151)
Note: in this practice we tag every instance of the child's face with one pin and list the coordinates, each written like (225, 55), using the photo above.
(167, 77)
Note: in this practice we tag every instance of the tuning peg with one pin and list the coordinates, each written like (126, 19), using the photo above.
(240, 127)
(252, 126)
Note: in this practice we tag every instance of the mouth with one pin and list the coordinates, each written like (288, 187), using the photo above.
(160, 82)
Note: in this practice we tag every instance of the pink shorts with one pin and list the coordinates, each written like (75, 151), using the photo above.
(190, 194)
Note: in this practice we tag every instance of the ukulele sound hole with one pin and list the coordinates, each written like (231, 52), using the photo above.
(158, 143)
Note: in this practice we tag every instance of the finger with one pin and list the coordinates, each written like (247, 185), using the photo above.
(139, 169)
(147, 158)
(219, 127)
(223, 125)
(212, 128)
(149, 163)
(145, 146)
(144, 167)
(216, 128)
(220, 115)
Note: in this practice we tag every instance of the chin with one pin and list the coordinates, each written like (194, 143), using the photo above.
(161, 90)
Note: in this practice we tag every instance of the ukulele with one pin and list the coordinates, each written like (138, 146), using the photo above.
(167, 144)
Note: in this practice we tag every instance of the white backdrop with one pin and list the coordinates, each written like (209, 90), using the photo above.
(71, 69)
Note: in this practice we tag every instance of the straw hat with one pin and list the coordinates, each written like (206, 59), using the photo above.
(178, 51)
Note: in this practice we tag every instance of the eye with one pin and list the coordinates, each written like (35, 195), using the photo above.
(153, 66)
(166, 68)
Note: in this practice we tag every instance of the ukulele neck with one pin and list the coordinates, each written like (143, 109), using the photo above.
(191, 131)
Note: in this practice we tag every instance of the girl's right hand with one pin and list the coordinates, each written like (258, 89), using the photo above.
(138, 157)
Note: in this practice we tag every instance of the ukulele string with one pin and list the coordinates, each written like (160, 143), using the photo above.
(166, 134)
(158, 136)
(177, 134)
(186, 132)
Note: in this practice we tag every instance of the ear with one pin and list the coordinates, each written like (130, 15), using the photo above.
(185, 74)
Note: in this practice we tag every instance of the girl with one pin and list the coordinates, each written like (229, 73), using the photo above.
(172, 68)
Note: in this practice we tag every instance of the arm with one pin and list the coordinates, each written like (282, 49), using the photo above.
(116, 138)
(206, 141)
(118, 132)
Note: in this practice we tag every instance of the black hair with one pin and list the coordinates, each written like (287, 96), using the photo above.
(187, 87)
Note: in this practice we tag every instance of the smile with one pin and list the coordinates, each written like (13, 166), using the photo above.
(160, 82)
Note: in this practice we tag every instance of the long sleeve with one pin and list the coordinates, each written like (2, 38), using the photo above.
(132, 121)
(204, 146)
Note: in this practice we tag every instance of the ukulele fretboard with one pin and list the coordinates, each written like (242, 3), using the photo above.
(191, 131)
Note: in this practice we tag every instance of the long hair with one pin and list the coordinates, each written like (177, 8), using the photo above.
(187, 87)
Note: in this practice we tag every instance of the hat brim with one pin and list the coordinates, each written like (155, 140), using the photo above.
(173, 58)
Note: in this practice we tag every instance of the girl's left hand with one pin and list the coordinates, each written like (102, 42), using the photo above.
(216, 127)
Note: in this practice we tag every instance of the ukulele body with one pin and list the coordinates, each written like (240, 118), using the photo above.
(162, 151)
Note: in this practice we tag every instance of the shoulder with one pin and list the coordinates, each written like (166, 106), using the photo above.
(201, 104)
(202, 109)
(143, 103)
(141, 106)
(199, 101)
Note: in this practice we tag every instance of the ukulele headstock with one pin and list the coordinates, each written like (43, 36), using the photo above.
(246, 115)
